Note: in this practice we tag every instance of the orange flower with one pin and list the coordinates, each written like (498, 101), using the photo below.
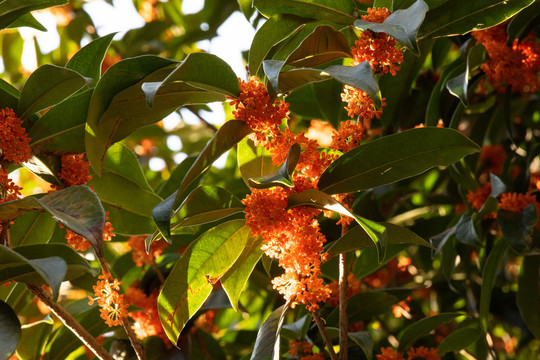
(478, 197)
(423, 353)
(9, 190)
(353, 288)
(348, 137)
(79, 243)
(389, 354)
(138, 245)
(205, 322)
(113, 309)
(320, 131)
(517, 202)
(360, 104)
(14, 142)
(492, 158)
(74, 170)
(147, 321)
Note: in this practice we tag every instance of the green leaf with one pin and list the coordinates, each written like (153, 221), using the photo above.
(205, 204)
(76, 207)
(402, 25)
(357, 239)
(268, 338)
(363, 306)
(324, 44)
(38, 271)
(33, 339)
(283, 176)
(517, 227)
(47, 86)
(236, 278)
(460, 338)
(11, 10)
(489, 276)
(395, 157)
(459, 84)
(528, 294)
(254, 161)
(423, 327)
(459, 17)
(523, 23)
(61, 129)
(87, 61)
(168, 187)
(465, 230)
(273, 31)
(45, 167)
(33, 227)
(225, 138)
(191, 280)
(194, 71)
(27, 20)
(359, 76)
(315, 198)
(333, 10)
(364, 340)
(9, 95)
(10, 330)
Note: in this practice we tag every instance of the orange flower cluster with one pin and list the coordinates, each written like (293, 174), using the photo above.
(516, 66)
(138, 247)
(413, 354)
(79, 243)
(512, 201)
(10, 191)
(303, 350)
(353, 288)
(394, 270)
(113, 309)
(478, 197)
(360, 104)
(492, 158)
(74, 170)
(348, 136)
(206, 322)
(14, 142)
(147, 321)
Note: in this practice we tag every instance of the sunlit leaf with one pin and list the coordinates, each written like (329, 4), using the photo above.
(11, 10)
(334, 10)
(33, 339)
(283, 176)
(87, 61)
(254, 161)
(423, 327)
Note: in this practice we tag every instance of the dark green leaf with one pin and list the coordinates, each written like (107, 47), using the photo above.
(364, 340)
(10, 330)
(194, 71)
(274, 30)
(27, 20)
(169, 186)
(254, 161)
(268, 338)
(9, 95)
(47, 86)
(87, 61)
(423, 327)
(283, 176)
(528, 294)
(62, 127)
(205, 204)
(236, 278)
(76, 207)
(395, 157)
(402, 25)
(365, 305)
(517, 227)
(458, 85)
(357, 239)
(191, 280)
(459, 17)
(489, 275)
(465, 230)
(11, 10)
(460, 338)
(333, 10)
(225, 138)
(523, 23)
(33, 227)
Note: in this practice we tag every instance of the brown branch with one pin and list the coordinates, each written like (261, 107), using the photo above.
(71, 323)
(343, 319)
(324, 335)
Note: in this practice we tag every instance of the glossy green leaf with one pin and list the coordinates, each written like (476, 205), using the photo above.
(254, 161)
(87, 61)
(194, 71)
(528, 294)
(236, 278)
(268, 338)
(27, 20)
(37, 271)
(459, 84)
(460, 338)
(364, 340)
(333, 10)
(402, 24)
(205, 204)
(357, 239)
(489, 276)
(76, 207)
(191, 280)
(62, 127)
(33, 339)
(169, 186)
(11, 10)
(47, 86)
(365, 305)
(33, 227)
(315, 198)
(423, 327)
(517, 227)
(274, 30)
(10, 330)
(225, 138)
(523, 23)
(46, 167)
(459, 17)
(283, 176)
(9, 95)
(395, 157)
(324, 44)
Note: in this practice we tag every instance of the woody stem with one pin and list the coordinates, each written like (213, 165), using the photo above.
(343, 287)
(71, 323)
(324, 335)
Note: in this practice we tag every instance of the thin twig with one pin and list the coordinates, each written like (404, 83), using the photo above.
(201, 119)
(324, 335)
(158, 272)
(71, 323)
(343, 319)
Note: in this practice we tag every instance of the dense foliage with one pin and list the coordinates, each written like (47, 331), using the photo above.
(378, 200)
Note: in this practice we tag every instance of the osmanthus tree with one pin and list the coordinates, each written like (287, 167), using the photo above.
(379, 198)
